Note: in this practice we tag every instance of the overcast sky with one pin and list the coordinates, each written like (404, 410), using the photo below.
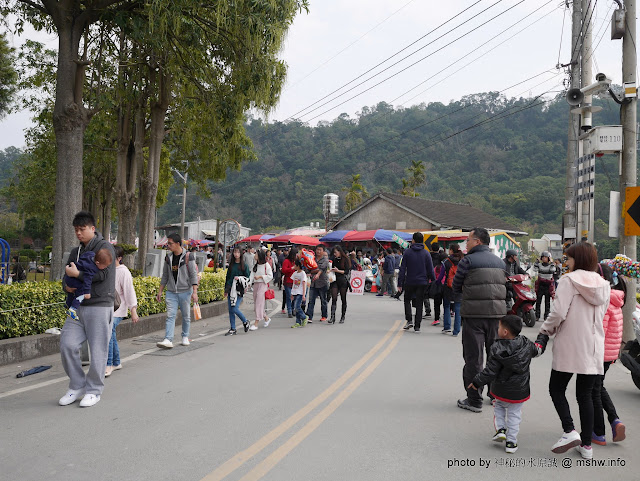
(338, 41)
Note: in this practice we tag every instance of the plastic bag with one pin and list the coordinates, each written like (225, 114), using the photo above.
(269, 294)
(308, 259)
(197, 315)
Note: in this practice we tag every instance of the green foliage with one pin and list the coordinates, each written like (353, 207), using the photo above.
(128, 248)
(355, 194)
(417, 178)
(52, 313)
(8, 76)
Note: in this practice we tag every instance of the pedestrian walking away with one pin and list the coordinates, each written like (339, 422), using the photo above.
(576, 320)
(288, 268)
(450, 299)
(340, 265)
(388, 273)
(180, 276)
(235, 283)
(612, 324)
(260, 278)
(319, 285)
(126, 301)
(95, 317)
(415, 273)
(480, 278)
(507, 370)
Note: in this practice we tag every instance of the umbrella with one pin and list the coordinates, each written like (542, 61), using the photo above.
(256, 238)
(335, 236)
(294, 239)
(380, 235)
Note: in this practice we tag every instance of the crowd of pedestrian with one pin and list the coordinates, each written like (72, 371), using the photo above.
(469, 289)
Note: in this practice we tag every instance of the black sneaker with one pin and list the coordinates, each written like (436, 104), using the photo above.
(500, 435)
(416, 329)
(511, 447)
(246, 326)
(231, 332)
(465, 404)
(408, 326)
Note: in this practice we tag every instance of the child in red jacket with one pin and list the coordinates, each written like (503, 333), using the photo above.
(612, 324)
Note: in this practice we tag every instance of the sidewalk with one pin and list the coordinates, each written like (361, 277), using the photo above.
(202, 333)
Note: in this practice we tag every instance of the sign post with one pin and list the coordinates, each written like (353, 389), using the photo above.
(357, 282)
(632, 211)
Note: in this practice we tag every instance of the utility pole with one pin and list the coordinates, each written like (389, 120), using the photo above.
(570, 215)
(628, 177)
(586, 76)
(184, 201)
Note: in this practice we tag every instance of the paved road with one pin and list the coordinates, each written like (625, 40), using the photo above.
(359, 401)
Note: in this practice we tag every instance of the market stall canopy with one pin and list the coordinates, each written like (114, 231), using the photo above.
(380, 235)
(294, 239)
(335, 236)
(256, 238)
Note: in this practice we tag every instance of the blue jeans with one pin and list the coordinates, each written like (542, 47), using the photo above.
(315, 292)
(235, 311)
(287, 295)
(297, 308)
(113, 355)
(446, 316)
(175, 300)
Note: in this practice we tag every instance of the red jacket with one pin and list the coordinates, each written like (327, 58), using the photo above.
(288, 268)
(612, 324)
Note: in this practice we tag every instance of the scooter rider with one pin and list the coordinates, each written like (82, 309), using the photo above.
(512, 268)
(545, 285)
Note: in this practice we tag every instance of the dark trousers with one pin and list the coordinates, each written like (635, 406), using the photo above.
(543, 291)
(437, 302)
(584, 389)
(314, 293)
(476, 333)
(409, 293)
(601, 400)
(334, 299)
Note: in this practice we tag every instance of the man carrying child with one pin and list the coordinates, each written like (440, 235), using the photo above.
(95, 316)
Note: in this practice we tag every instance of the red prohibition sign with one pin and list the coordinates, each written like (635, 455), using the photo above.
(356, 283)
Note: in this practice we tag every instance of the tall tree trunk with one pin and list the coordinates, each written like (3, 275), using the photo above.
(151, 176)
(70, 119)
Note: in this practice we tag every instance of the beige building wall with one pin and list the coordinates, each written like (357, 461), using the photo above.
(381, 214)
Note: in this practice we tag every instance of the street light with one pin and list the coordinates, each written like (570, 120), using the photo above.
(184, 193)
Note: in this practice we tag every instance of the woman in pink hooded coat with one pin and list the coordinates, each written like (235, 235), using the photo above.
(581, 301)
(612, 325)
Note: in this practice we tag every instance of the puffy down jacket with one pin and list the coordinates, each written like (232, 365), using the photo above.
(612, 324)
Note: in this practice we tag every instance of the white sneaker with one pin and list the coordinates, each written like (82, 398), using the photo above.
(566, 442)
(167, 344)
(266, 322)
(185, 341)
(585, 451)
(71, 397)
(253, 327)
(89, 400)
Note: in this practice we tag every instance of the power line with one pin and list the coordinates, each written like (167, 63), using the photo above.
(562, 32)
(406, 68)
(349, 46)
(399, 52)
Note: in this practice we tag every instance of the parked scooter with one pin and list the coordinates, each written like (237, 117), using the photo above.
(524, 299)
(369, 277)
(630, 356)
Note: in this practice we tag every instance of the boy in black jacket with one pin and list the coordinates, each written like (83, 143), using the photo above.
(507, 372)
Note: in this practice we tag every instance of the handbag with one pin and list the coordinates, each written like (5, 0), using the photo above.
(269, 294)
(197, 315)
(435, 289)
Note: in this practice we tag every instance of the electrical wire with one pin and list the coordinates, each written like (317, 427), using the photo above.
(404, 69)
(562, 32)
(348, 46)
(400, 51)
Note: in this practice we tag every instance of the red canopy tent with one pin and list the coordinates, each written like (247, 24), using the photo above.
(302, 240)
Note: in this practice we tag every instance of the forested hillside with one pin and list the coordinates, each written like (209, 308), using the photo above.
(505, 156)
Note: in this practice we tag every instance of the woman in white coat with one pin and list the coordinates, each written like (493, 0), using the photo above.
(261, 275)
(581, 302)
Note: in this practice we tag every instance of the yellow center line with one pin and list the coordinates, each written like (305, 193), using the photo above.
(243, 456)
(274, 458)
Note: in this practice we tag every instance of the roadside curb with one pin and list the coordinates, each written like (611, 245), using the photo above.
(21, 349)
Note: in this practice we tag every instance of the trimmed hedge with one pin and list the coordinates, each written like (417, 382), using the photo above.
(36, 320)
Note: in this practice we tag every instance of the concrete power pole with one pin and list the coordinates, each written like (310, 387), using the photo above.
(586, 78)
(569, 218)
(628, 177)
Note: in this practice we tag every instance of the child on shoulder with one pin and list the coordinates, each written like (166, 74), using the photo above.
(507, 372)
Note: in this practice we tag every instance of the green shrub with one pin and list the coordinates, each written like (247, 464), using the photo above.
(51, 312)
(29, 253)
(128, 248)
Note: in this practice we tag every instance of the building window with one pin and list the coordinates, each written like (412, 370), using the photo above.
(401, 225)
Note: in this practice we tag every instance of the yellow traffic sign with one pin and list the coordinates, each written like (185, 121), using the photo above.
(632, 211)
